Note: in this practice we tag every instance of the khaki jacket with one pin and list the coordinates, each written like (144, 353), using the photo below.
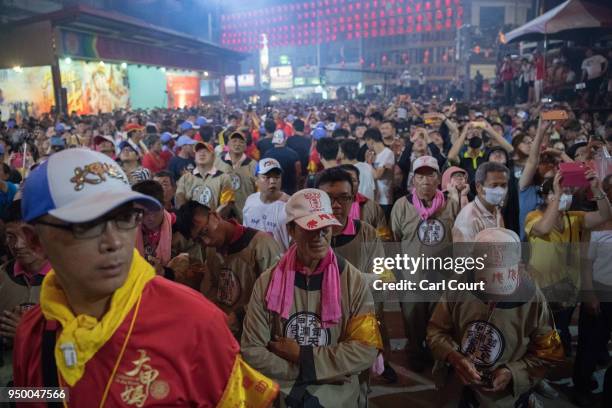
(330, 359)
(495, 335)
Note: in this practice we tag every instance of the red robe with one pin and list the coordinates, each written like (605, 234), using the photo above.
(180, 353)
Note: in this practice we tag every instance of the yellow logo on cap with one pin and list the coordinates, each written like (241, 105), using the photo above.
(99, 171)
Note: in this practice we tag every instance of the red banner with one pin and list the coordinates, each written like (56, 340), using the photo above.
(183, 91)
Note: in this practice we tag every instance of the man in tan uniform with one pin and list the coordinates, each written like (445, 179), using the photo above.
(310, 324)
(354, 240)
(240, 168)
(422, 221)
(235, 256)
(496, 342)
(206, 184)
(368, 210)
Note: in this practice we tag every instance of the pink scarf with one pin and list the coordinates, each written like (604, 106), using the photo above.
(279, 296)
(424, 212)
(165, 239)
(355, 212)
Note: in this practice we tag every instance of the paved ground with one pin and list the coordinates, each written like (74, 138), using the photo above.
(418, 391)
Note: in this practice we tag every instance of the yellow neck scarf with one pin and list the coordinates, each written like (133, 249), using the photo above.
(85, 333)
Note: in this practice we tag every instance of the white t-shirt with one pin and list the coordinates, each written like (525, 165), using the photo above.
(267, 217)
(367, 184)
(592, 66)
(384, 185)
(600, 252)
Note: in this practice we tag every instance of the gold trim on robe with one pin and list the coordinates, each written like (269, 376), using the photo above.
(247, 387)
(364, 329)
(548, 347)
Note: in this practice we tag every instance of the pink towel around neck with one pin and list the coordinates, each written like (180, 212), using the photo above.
(162, 252)
(279, 296)
(426, 212)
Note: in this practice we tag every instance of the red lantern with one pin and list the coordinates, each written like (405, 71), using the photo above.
(372, 65)
(428, 6)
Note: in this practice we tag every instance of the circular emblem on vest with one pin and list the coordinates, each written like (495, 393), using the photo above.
(160, 389)
(235, 182)
(431, 232)
(483, 343)
(203, 195)
(229, 290)
(305, 328)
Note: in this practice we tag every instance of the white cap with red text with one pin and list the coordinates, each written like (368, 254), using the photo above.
(311, 209)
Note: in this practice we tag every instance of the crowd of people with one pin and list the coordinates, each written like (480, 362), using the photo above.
(579, 75)
(224, 254)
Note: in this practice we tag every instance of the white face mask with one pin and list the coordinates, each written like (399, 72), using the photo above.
(565, 202)
(495, 196)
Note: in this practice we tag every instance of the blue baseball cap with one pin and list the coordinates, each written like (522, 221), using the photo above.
(60, 128)
(11, 123)
(166, 137)
(319, 133)
(125, 144)
(201, 121)
(185, 140)
(187, 125)
(78, 185)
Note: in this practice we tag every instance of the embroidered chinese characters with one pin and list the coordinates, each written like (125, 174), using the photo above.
(142, 381)
(96, 173)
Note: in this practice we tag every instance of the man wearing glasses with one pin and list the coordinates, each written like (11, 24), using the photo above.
(356, 241)
(104, 322)
(234, 256)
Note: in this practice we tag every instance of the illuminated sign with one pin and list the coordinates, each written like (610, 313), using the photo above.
(281, 77)
(246, 80)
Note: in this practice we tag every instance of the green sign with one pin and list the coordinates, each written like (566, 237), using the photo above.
(284, 60)
(314, 81)
(299, 81)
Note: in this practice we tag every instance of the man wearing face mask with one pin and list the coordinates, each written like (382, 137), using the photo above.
(485, 211)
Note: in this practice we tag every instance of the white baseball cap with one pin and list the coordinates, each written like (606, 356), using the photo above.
(278, 137)
(266, 165)
(78, 185)
(502, 248)
(311, 209)
(425, 161)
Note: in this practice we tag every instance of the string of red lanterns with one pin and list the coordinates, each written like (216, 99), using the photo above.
(323, 21)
